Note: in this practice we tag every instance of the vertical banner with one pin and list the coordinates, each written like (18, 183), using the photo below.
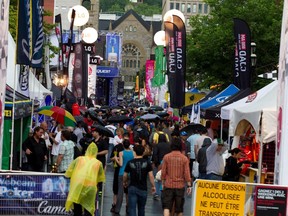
(58, 32)
(113, 50)
(70, 70)
(37, 34)
(159, 76)
(281, 159)
(77, 83)
(23, 80)
(23, 33)
(91, 79)
(4, 19)
(242, 65)
(149, 76)
(195, 114)
(176, 40)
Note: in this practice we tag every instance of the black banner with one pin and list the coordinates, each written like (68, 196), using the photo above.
(176, 60)
(242, 65)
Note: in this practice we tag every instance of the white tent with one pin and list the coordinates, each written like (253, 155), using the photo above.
(36, 89)
(261, 104)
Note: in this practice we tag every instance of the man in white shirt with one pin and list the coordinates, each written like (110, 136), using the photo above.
(56, 142)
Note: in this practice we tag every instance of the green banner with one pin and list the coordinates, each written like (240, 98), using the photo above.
(159, 76)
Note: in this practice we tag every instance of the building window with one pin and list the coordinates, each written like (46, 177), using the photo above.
(130, 28)
(205, 8)
(194, 8)
(138, 64)
(127, 63)
(171, 5)
(134, 63)
(183, 7)
(63, 7)
(134, 29)
(131, 63)
(188, 8)
(177, 6)
(200, 8)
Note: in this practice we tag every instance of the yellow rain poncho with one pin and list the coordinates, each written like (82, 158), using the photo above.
(85, 173)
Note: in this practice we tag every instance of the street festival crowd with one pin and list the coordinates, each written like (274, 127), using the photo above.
(140, 144)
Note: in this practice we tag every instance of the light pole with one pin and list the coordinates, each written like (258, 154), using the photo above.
(253, 60)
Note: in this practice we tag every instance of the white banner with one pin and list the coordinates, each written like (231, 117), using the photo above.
(91, 79)
(4, 19)
(70, 70)
(281, 160)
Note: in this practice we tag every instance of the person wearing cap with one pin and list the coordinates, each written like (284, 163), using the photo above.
(215, 162)
(185, 143)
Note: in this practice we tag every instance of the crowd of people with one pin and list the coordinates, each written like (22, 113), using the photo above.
(138, 150)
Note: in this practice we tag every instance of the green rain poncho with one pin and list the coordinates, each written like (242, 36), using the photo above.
(85, 173)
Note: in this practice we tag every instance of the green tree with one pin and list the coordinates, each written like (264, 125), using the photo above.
(147, 10)
(210, 46)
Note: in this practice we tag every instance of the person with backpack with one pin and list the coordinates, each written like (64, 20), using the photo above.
(202, 159)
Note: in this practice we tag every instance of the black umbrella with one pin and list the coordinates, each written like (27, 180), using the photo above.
(150, 117)
(119, 118)
(192, 128)
(102, 130)
(94, 117)
(79, 118)
(156, 108)
(162, 114)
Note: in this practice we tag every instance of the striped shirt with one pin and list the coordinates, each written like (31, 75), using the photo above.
(175, 170)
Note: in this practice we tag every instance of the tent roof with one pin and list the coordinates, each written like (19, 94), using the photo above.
(187, 109)
(251, 107)
(215, 111)
(219, 98)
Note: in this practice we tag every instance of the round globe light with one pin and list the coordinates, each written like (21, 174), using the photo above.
(81, 15)
(159, 38)
(89, 35)
(169, 15)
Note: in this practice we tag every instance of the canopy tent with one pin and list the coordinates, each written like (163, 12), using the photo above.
(187, 109)
(36, 89)
(22, 120)
(215, 111)
(221, 97)
(251, 109)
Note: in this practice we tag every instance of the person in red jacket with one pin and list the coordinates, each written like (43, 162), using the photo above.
(75, 109)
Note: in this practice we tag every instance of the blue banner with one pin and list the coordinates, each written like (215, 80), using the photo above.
(113, 50)
(37, 35)
(23, 33)
(103, 71)
(33, 194)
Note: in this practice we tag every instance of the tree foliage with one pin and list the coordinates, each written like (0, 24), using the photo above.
(147, 10)
(210, 46)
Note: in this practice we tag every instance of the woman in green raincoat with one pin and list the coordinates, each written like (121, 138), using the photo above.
(85, 173)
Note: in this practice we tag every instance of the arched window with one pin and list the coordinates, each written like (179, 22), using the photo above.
(135, 64)
(127, 63)
(131, 63)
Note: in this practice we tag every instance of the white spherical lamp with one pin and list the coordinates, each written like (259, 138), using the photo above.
(89, 35)
(81, 15)
(159, 38)
(169, 15)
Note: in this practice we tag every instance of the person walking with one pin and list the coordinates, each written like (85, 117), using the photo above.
(175, 176)
(85, 172)
(36, 150)
(124, 157)
(138, 169)
(202, 159)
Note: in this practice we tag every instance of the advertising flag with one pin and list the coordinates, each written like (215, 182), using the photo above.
(37, 34)
(23, 33)
(195, 114)
(148, 79)
(176, 54)
(4, 19)
(159, 76)
(113, 51)
(58, 32)
(77, 84)
(242, 64)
